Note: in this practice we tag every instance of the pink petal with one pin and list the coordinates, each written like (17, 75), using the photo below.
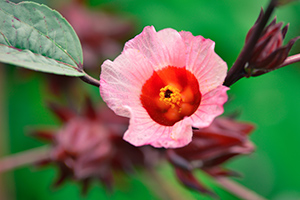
(175, 46)
(211, 106)
(203, 62)
(180, 135)
(163, 48)
(143, 130)
(121, 81)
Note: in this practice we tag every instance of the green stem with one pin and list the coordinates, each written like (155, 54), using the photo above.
(161, 186)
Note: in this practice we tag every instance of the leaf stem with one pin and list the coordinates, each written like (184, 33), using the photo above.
(238, 190)
(237, 71)
(90, 80)
(24, 158)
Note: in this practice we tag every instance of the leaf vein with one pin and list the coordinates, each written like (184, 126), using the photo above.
(44, 57)
(42, 34)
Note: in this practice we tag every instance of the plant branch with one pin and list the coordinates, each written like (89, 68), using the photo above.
(162, 187)
(237, 71)
(6, 182)
(238, 190)
(290, 60)
(24, 158)
(90, 80)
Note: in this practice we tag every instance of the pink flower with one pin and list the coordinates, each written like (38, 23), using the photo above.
(167, 82)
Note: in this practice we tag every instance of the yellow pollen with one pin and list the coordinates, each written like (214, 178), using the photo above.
(170, 95)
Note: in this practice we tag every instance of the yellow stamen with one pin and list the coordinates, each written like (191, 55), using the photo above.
(170, 95)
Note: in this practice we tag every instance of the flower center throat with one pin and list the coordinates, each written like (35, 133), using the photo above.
(170, 94)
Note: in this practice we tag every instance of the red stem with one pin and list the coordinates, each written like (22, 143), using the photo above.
(90, 80)
(290, 60)
(24, 158)
(238, 190)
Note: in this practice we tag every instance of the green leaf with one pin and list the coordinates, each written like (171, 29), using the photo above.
(38, 38)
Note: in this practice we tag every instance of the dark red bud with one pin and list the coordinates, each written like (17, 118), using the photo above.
(211, 147)
(268, 53)
(90, 146)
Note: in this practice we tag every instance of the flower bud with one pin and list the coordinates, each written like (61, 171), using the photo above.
(268, 53)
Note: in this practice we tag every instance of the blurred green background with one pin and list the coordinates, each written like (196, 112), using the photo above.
(270, 101)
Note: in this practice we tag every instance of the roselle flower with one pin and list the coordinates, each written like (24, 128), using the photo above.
(269, 52)
(90, 147)
(209, 149)
(166, 82)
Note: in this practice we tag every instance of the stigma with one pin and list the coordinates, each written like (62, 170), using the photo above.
(170, 96)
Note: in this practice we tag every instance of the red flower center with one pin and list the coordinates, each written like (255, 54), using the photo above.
(170, 94)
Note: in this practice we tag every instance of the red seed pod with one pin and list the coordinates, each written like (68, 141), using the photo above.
(269, 52)
(90, 146)
(211, 147)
